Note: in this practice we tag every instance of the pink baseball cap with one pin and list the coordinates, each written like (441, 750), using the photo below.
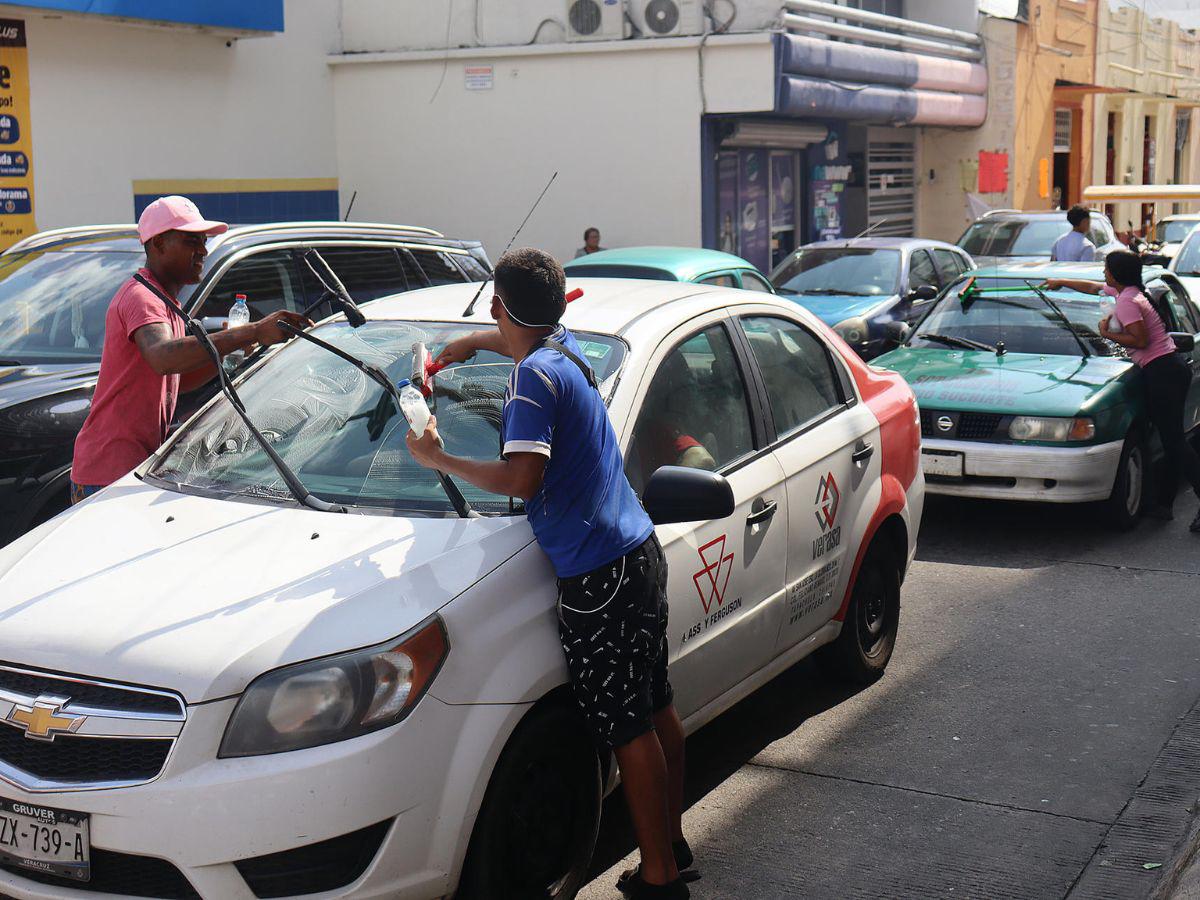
(175, 213)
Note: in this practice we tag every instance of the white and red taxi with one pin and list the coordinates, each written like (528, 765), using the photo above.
(209, 690)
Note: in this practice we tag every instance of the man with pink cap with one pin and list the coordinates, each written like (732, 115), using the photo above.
(148, 357)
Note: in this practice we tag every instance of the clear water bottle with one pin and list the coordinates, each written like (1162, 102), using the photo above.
(413, 405)
(239, 314)
(1108, 306)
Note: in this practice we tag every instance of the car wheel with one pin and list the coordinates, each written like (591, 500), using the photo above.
(862, 651)
(537, 828)
(1124, 505)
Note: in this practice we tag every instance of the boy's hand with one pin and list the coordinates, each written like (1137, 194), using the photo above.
(457, 351)
(426, 448)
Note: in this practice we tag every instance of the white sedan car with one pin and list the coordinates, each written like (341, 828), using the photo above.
(211, 690)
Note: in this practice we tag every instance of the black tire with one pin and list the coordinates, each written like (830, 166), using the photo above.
(1124, 505)
(861, 652)
(537, 827)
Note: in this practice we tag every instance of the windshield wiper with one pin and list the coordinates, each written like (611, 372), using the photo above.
(10, 362)
(291, 479)
(1061, 316)
(955, 341)
(376, 374)
(832, 292)
(338, 293)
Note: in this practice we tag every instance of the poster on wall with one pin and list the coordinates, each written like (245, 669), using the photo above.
(783, 191)
(831, 173)
(755, 237)
(16, 166)
(727, 205)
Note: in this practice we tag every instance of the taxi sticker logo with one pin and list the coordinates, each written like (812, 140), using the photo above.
(829, 498)
(713, 579)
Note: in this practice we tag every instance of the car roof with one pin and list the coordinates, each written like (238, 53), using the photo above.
(885, 243)
(1040, 270)
(608, 305)
(1187, 217)
(123, 236)
(1033, 214)
(683, 262)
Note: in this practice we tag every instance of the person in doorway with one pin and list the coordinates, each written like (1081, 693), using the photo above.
(560, 454)
(591, 242)
(1136, 325)
(147, 358)
(1074, 246)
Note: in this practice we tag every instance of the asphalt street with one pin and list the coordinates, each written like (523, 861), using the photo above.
(1036, 735)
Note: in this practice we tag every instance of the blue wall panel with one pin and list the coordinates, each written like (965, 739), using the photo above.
(255, 207)
(250, 15)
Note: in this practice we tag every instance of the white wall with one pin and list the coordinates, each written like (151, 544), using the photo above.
(620, 124)
(114, 102)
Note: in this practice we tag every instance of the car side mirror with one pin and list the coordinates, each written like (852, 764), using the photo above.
(922, 293)
(896, 333)
(680, 494)
(1184, 342)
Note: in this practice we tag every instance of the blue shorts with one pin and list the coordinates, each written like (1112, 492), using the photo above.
(80, 492)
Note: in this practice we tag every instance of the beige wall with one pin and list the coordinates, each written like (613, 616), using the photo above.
(113, 102)
(620, 124)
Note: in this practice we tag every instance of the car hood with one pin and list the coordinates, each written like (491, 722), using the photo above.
(201, 595)
(19, 384)
(1016, 383)
(832, 309)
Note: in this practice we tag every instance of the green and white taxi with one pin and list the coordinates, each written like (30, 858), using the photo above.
(1020, 397)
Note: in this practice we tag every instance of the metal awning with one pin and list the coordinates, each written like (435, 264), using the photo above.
(1141, 193)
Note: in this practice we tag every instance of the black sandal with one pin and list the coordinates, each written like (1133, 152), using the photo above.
(683, 863)
(631, 885)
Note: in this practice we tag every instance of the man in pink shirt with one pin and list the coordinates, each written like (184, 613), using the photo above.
(148, 358)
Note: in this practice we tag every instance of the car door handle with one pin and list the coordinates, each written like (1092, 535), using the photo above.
(763, 513)
(862, 453)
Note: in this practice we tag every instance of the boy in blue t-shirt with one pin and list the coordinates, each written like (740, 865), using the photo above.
(560, 455)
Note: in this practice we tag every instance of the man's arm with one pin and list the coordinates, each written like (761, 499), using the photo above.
(520, 475)
(167, 355)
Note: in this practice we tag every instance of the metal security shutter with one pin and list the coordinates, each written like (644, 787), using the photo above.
(891, 188)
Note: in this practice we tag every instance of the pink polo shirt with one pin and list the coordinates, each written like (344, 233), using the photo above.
(133, 405)
(1133, 305)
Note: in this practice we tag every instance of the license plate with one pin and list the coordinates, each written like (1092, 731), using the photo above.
(52, 841)
(946, 465)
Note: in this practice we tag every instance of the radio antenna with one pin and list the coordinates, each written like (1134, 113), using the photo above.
(470, 310)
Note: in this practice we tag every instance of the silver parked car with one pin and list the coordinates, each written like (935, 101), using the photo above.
(1004, 236)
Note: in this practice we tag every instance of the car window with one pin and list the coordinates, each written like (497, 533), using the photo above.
(723, 280)
(796, 368)
(437, 267)
(473, 268)
(949, 264)
(53, 304)
(619, 270)
(751, 281)
(1099, 232)
(367, 272)
(1173, 231)
(696, 411)
(267, 279)
(1183, 315)
(921, 271)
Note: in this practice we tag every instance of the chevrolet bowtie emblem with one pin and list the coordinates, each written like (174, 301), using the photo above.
(43, 720)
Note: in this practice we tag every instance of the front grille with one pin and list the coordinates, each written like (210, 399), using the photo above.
(121, 873)
(968, 426)
(83, 693)
(314, 868)
(82, 760)
(977, 426)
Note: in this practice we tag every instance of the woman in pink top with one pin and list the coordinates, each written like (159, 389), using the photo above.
(1136, 325)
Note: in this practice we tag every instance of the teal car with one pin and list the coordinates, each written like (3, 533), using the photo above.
(1021, 399)
(671, 264)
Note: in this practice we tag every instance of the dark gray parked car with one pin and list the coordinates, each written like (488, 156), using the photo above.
(55, 288)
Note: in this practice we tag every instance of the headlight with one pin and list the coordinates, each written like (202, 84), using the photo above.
(335, 698)
(1042, 428)
(852, 331)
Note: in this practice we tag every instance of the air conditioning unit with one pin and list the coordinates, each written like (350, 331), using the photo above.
(667, 18)
(595, 20)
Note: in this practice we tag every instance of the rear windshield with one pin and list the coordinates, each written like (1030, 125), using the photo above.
(1174, 231)
(1188, 260)
(53, 304)
(1014, 237)
(617, 270)
(341, 433)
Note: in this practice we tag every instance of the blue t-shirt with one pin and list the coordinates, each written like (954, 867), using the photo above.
(585, 514)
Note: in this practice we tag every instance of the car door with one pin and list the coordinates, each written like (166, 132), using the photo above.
(921, 272)
(1186, 321)
(696, 408)
(828, 447)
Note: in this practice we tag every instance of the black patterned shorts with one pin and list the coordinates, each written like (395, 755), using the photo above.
(613, 626)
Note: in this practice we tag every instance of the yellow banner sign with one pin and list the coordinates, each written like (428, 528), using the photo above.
(16, 163)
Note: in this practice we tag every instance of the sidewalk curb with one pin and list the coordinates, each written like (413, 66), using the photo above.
(1187, 859)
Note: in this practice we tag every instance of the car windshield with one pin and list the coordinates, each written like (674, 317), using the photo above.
(619, 270)
(1174, 231)
(53, 303)
(1010, 312)
(340, 431)
(858, 271)
(1188, 260)
(1014, 237)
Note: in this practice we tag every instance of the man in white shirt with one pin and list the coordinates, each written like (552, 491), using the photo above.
(1074, 246)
